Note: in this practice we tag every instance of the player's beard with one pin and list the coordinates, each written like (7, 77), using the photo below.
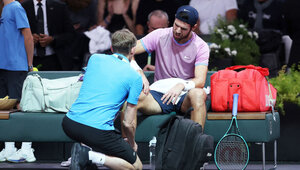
(180, 37)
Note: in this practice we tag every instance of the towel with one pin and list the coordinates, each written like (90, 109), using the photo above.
(99, 39)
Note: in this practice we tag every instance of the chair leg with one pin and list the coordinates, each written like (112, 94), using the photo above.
(264, 155)
(275, 154)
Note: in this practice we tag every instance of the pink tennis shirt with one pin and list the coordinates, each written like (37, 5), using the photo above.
(174, 60)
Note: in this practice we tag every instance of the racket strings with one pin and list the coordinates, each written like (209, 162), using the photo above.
(232, 153)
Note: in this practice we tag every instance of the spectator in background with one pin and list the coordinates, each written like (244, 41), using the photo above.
(210, 10)
(16, 55)
(83, 15)
(147, 6)
(117, 14)
(292, 18)
(262, 14)
(52, 33)
(266, 17)
(156, 19)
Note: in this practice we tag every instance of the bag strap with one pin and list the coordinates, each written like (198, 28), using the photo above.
(44, 90)
(263, 71)
(272, 100)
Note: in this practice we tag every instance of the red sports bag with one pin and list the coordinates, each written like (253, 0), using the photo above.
(255, 92)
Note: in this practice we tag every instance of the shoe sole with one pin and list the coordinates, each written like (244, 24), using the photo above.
(30, 160)
(17, 161)
(75, 157)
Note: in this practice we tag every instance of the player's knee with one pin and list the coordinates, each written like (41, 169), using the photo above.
(197, 95)
(138, 165)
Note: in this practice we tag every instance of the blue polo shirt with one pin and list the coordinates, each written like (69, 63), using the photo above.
(13, 55)
(107, 84)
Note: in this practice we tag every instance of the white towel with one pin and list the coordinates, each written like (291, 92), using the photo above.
(99, 39)
(164, 85)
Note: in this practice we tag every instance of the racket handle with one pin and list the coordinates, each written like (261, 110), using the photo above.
(235, 104)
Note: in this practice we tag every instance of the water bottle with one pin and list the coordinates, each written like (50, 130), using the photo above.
(152, 145)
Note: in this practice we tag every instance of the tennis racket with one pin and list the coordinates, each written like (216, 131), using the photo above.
(232, 150)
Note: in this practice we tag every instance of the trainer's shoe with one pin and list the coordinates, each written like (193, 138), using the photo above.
(7, 153)
(79, 157)
(66, 163)
(22, 155)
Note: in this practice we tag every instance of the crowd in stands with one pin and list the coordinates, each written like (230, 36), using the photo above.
(61, 42)
(70, 47)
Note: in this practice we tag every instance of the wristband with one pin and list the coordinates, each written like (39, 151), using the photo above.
(30, 67)
(188, 85)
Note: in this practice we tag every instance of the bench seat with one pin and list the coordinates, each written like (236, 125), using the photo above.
(255, 129)
(46, 127)
(33, 127)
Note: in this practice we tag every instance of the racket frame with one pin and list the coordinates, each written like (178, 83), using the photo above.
(237, 132)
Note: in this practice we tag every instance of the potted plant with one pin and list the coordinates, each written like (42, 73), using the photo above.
(233, 41)
(288, 89)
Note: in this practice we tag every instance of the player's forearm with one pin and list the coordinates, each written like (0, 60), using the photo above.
(139, 48)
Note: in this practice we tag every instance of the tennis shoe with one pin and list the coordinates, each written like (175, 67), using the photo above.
(66, 163)
(79, 157)
(5, 153)
(22, 155)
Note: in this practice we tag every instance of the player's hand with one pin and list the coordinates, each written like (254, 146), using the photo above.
(149, 67)
(172, 94)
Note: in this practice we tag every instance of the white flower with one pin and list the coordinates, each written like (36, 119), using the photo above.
(216, 51)
(214, 46)
(224, 36)
(242, 26)
(220, 31)
(228, 51)
(230, 27)
(255, 34)
(240, 37)
(234, 52)
(250, 34)
(232, 32)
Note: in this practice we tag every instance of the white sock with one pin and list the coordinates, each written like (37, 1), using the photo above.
(97, 157)
(26, 145)
(9, 145)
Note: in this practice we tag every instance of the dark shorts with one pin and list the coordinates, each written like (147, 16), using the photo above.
(11, 83)
(170, 107)
(108, 142)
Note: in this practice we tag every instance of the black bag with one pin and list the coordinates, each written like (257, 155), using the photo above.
(182, 145)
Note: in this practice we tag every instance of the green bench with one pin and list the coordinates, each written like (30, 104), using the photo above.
(46, 127)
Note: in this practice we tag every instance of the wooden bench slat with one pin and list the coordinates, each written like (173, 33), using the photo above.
(241, 115)
(4, 114)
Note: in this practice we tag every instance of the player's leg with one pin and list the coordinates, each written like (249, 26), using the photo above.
(196, 98)
(148, 105)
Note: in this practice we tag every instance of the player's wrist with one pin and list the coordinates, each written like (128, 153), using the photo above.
(188, 85)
